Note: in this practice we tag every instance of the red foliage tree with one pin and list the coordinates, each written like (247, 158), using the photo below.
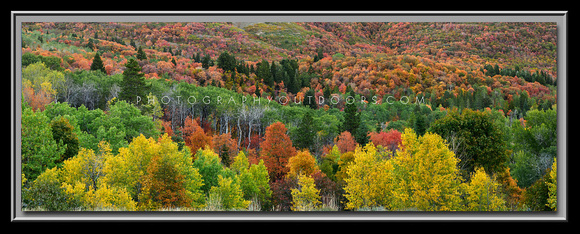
(276, 150)
(390, 140)
(345, 142)
(225, 147)
(167, 128)
(194, 136)
(282, 193)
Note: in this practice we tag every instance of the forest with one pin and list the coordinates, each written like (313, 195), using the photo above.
(289, 116)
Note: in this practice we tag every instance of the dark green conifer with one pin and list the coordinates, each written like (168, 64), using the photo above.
(133, 85)
(97, 64)
(140, 54)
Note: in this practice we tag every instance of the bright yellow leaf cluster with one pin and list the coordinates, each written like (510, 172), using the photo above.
(306, 197)
(370, 180)
(553, 187)
(422, 175)
(483, 193)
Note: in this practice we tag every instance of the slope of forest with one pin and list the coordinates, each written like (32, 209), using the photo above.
(289, 116)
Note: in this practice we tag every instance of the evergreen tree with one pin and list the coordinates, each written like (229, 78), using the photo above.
(419, 124)
(257, 91)
(263, 72)
(310, 102)
(326, 93)
(91, 44)
(197, 58)
(205, 62)
(318, 55)
(226, 61)
(133, 83)
(132, 43)
(274, 72)
(97, 64)
(305, 133)
(361, 133)
(140, 54)
(351, 117)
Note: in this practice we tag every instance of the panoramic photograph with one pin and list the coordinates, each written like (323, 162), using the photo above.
(289, 116)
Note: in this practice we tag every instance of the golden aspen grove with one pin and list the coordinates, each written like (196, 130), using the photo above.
(289, 116)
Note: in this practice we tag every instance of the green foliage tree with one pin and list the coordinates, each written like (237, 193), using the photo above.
(133, 87)
(419, 123)
(128, 119)
(535, 144)
(351, 116)
(227, 62)
(361, 133)
(206, 62)
(305, 133)
(46, 193)
(230, 193)
(140, 54)
(536, 196)
(254, 180)
(91, 44)
(153, 107)
(97, 64)
(263, 72)
(209, 165)
(310, 99)
(475, 139)
(62, 131)
(39, 149)
(329, 165)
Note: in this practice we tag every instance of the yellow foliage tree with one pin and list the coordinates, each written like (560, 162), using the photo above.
(483, 193)
(344, 162)
(229, 193)
(553, 187)
(129, 170)
(306, 197)
(126, 168)
(81, 178)
(369, 180)
(426, 174)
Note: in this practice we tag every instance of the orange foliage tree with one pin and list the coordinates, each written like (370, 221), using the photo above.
(194, 136)
(276, 150)
(303, 163)
(164, 186)
(225, 147)
(36, 100)
(345, 142)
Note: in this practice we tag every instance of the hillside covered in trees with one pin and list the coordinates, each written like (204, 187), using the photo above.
(289, 116)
